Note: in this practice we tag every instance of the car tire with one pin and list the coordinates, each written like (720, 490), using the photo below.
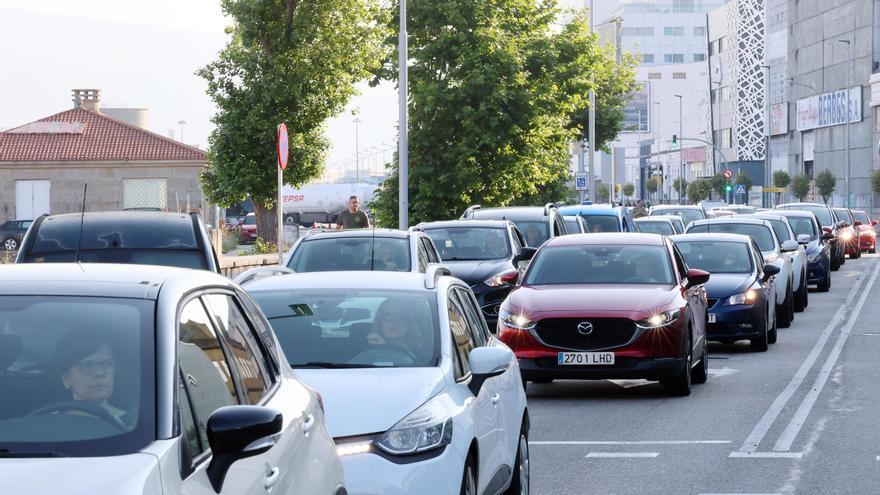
(835, 263)
(521, 481)
(700, 373)
(761, 342)
(800, 298)
(785, 311)
(806, 294)
(872, 251)
(773, 332)
(469, 477)
(825, 285)
(10, 244)
(680, 384)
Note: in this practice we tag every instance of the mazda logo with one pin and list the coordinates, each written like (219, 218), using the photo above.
(585, 328)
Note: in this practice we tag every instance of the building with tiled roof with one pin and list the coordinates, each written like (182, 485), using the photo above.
(125, 166)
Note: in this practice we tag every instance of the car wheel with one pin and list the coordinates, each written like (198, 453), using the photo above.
(760, 343)
(680, 384)
(701, 372)
(521, 473)
(835, 263)
(872, 250)
(785, 311)
(800, 297)
(10, 244)
(469, 478)
(825, 284)
(806, 294)
(773, 332)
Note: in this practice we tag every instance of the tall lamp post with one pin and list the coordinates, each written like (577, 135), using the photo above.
(357, 145)
(657, 139)
(403, 123)
(680, 151)
(764, 198)
(848, 115)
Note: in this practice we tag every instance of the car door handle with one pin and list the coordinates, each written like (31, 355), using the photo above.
(272, 477)
(309, 423)
(496, 398)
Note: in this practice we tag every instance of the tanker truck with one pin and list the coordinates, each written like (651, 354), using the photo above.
(319, 203)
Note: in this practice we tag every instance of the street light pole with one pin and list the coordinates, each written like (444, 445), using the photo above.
(182, 123)
(766, 134)
(657, 139)
(848, 115)
(592, 126)
(357, 147)
(680, 152)
(403, 123)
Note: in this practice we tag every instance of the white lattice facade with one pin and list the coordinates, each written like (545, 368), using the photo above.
(747, 21)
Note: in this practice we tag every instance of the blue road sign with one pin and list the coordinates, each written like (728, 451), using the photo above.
(740, 188)
(580, 183)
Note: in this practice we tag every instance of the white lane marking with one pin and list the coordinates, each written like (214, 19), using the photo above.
(618, 455)
(800, 417)
(634, 442)
(766, 455)
(757, 435)
(725, 371)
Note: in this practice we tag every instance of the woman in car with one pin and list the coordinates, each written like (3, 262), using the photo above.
(87, 370)
(393, 326)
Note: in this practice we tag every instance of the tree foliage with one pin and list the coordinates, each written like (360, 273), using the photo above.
(780, 179)
(745, 180)
(699, 190)
(719, 185)
(498, 91)
(825, 183)
(800, 186)
(875, 181)
(680, 185)
(629, 189)
(602, 193)
(652, 185)
(290, 61)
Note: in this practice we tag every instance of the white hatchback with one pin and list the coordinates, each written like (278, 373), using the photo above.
(421, 398)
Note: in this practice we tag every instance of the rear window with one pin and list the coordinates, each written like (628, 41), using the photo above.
(651, 227)
(843, 214)
(803, 226)
(601, 223)
(716, 256)
(759, 233)
(686, 215)
(823, 214)
(536, 233)
(861, 216)
(781, 229)
(331, 254)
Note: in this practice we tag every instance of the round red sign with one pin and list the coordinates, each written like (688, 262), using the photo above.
(728, 174)
(283, 147)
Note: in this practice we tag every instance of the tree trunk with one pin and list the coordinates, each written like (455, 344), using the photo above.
(266, 222)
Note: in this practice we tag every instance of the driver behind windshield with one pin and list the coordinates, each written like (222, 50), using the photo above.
(87, 370)
(394, 326)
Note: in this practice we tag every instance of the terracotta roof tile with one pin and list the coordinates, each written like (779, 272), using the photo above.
(84, 135)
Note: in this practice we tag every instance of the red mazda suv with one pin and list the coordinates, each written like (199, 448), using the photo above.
(609, 306)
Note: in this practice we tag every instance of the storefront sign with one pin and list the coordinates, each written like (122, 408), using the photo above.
(829, 109)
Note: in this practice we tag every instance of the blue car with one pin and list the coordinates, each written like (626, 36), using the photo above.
(741, 293)
(819, 248)
(602, 218)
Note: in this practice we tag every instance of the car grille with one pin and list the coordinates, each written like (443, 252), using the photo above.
(607, 332)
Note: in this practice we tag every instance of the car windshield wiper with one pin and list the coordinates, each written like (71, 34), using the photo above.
(328, 365)
(6, 453)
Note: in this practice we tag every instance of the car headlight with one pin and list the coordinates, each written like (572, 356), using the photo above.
(747, 297)
(518, 321)
(427, 428)
(503, 278)
(871, 233)
(812, 258)
(847, 235)
(660, 319)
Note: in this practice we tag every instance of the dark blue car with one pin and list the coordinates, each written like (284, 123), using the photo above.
(819, 248)
(741, 292)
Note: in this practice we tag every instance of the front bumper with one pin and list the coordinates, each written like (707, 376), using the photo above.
(373, 474)
(623, 368)
(736, 322)
(818, 271)
(867, 242)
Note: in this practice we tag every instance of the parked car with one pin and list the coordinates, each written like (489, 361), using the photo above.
(609, 306)
(849, 233)
(247, 229)
(575, 224)
(363, 249)
(829, 222)
(784, 232)
(128, 237)
(536, 223)
(421, 398)
(12, 231)
(867, 231)
(688, 213)
(603, 218)
(741, 293)
(761, 231)
(480, 253)
(818, 247)
(737, 209)
(130, 379)
(655, 225)
(677, 222)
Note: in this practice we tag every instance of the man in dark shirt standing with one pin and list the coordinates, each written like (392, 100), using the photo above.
(352, 218)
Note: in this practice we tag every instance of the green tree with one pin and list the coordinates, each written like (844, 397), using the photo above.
(652, 185)
(699, 190)
(498, 93)
(628, 189)
(680, 184)
(800, 186)
(875, 181)
(825, 182)
(719, 185)
(602, 193)
(780, 179)
(285, 61)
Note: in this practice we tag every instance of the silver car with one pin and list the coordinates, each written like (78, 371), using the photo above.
(130, 379)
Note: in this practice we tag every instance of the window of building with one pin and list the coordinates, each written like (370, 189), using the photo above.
(655, 75)
(722, 41)
(679, 75)
(637, 31)
(700, 31)
(699, 57)
(673, 58)
(713, 47)
(673, 31)
(647, 58)
(145, 193)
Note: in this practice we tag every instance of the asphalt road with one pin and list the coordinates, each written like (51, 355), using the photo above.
(800, 418)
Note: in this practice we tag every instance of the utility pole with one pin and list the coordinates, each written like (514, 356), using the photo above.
(403, 123)
(680, 152)
(357, 146)
(767, 174)
(592, 130)
(848, 115)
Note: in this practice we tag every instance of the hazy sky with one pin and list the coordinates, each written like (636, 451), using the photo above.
(142, 54)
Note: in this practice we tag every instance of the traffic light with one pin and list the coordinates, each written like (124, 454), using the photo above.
(728, 187)
(674, 140)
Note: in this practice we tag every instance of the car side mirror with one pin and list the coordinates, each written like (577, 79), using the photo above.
(789, 246)
(239, 432)
(523, 257)
(873, 223)
(827, 236)
(487, 362)
(857, 223)
(696, 277)
(769, 271)
(803, 239)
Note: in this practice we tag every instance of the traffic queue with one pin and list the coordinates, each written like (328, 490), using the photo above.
(372, 361)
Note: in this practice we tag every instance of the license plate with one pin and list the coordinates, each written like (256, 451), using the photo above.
(585, 358)
(711, 317)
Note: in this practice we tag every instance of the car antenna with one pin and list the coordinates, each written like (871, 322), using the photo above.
(82, 219)
(373, 249)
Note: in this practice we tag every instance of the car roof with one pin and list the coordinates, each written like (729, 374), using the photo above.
(99, 279)
(653, 218)
(735, 219)
(795, 205)
(442, 224)
(599, 209)
(769, 215)
(676, 207)
(607, 238)
(342, 279)
(392, 233)
(794, 213)
(510, 213)
(711, 237)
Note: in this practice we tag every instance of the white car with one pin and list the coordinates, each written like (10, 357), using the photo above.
(784, 232)
(130, 380)
(421, 398)
(775, 252)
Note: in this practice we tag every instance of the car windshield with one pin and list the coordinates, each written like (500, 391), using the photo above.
(470, 243)
(572, 225)
(686, 215)
(351, 328)
(536, 233)
(76, 375)
(861, 216)
(803, 226)
(655, 227)
(843, 214)
(601, 264)
(780, 228)
(759, 233)
(822, 213)
(601, 223)
(338, 253)
(716, 256)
